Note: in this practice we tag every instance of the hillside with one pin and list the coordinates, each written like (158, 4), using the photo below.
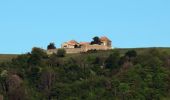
(119, 74)
(8, 57)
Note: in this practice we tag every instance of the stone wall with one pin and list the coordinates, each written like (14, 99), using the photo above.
(68, 50)
(49, 52)
(74, 50)
(96, 47)
(84, 48)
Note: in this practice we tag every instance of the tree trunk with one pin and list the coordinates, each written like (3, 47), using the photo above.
(1, 97)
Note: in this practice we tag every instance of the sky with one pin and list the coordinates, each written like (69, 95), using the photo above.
(128, 23)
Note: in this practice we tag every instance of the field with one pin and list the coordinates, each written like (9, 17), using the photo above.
(7, 57)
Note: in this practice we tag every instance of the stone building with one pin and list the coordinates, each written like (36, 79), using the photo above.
(70, 44)
(106, 42)
(78, 47)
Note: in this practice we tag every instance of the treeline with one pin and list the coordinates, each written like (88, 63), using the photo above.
(87, 76)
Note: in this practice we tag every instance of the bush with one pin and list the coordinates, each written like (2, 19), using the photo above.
(36, 56)
(131, 53)
(112, 62)
(61, 53)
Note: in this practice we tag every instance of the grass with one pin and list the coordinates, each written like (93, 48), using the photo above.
(8, 57)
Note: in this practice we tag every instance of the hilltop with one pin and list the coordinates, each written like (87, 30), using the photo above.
(72, 46)
(8, 57)
(121, 74)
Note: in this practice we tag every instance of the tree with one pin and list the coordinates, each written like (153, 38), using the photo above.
(112, 62)
(115, 84)
(131, 53)
(61, 53)
(47, 80)
(51, 46)
(1, 97)
(130, 56)
(16, 90)
(34, 75)
(96, 40)
(3, 83)
(36, 55)
(54, 60)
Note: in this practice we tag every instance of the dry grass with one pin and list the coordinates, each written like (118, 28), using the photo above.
(7, 57)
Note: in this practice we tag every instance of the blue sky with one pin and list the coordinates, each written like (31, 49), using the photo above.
(128, 23)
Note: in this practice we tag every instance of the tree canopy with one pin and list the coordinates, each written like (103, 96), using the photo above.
(51, 46)
(120, 74)
(96, 40)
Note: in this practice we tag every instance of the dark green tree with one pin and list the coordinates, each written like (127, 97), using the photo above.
(36, 56)
(112, 62)
(131, 53)
(51, 46)
(96, 40)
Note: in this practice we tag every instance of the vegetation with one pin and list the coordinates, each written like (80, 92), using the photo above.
(7, 57)
(61, 53)
(96, 40)
(51, 46)
(120, 74)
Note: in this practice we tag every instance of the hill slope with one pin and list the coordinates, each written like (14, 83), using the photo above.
(121, 74)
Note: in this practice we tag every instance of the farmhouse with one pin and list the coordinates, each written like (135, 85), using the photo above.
(73, 46)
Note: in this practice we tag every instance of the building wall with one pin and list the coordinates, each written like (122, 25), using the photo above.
(68, 50)
(96, 47)
(74, 50)
(49, 52)
(107, 43)
(84, 48)
(65, 45)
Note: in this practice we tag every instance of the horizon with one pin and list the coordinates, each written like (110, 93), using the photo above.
(128, 24)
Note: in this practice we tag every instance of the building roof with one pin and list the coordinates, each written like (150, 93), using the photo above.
(84, 43)
(104, 38)
(72, 42)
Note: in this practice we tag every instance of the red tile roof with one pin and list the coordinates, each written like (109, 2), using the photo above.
(84, 43)
(104, 38)
(72, 42)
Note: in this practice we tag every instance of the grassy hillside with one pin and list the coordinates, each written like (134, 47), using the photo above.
(119, 74)
(121, 50)
(8, 57)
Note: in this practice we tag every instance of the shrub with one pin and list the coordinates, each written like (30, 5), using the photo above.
(51, 46)
(61, 53)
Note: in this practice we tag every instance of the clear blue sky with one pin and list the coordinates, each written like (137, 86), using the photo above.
(128, 23)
